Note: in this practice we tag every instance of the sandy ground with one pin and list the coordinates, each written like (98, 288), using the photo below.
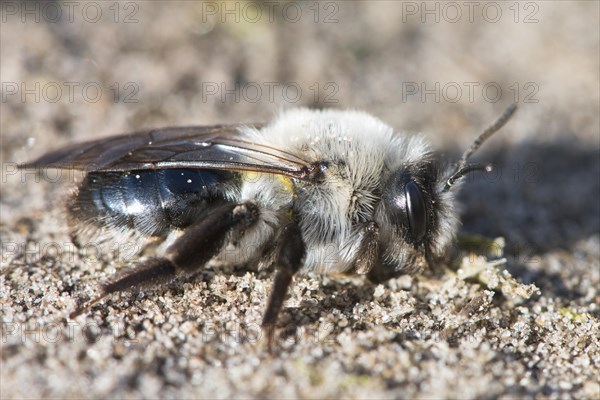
(84, 70)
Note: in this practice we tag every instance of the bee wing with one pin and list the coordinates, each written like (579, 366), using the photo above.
(203, 147)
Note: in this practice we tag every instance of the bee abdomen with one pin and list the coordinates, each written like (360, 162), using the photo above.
(152, 202)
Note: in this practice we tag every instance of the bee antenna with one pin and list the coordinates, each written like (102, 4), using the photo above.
(464, 171)
(462, 168)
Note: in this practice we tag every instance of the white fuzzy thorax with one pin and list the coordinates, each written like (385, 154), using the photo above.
(361, 151)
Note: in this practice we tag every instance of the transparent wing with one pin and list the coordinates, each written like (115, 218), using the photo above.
(203, 147)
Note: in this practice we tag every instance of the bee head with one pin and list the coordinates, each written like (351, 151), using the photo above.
(417, 212)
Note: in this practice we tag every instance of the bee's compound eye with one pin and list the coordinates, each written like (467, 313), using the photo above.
(416, 211)
(406, 204)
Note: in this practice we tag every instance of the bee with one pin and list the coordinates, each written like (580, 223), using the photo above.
(329, 191)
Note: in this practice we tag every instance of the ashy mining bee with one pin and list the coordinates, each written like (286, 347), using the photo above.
(315, 190)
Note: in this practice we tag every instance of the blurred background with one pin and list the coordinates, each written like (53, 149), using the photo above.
(75, 70)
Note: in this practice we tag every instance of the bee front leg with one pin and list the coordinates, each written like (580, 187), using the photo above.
(200, 242)
(368, 250)
(289, 259)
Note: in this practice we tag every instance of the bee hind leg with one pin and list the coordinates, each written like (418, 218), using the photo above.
(200, 242)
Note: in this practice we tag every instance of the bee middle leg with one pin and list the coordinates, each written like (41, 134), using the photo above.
(290, 257)
(200, 242)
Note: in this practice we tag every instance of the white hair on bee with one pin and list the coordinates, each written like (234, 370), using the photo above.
(364, 157)
(362, 151)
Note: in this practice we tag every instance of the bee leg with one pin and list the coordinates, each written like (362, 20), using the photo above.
(150, 273)
(290, 257)
(193, 249)
(368, 249)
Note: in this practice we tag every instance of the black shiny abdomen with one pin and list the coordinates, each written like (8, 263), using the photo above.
(150, 201)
